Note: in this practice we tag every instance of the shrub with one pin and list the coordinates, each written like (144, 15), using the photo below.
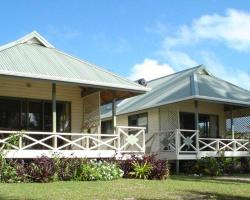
(66, 168)
(98, 170)
(158, 168)
(141, 170)
(208, 166)
(245, 164)
(41, 170)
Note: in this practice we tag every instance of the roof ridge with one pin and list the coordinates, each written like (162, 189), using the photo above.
(230, 83)
(25, 38)
(188, 69)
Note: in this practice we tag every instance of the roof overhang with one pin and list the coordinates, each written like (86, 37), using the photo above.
(195, 97)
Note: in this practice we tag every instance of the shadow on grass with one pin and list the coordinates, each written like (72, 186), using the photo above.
(214, 196)
(194, 195)
(4, 197)
(227, 180)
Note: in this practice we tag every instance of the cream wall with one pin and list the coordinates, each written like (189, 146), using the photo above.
(158, 117)
(27, 88)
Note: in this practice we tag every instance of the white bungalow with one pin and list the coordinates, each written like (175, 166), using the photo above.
(189, 115)
(50, 104)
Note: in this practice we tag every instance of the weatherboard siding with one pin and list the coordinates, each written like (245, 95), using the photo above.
(26, 88)
(158, 118)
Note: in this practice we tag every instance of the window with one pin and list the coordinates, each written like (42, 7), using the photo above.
(208, 125)
(9, 114)
(139, 120)
(106, 127)
(33, 115)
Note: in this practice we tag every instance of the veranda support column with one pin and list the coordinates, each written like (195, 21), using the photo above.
(114, 115)
(54, 114)
(232, 123)
(196, 104)
(177, 166)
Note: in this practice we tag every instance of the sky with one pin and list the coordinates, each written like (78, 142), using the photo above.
(141, 38)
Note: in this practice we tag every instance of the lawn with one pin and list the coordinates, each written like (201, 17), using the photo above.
(177, 187)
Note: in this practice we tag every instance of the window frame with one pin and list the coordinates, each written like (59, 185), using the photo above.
(42, 102)
(138, 115)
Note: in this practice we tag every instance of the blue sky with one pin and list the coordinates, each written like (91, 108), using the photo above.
(141, 38)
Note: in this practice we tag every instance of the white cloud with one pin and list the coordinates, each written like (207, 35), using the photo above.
(232, 29)
(180, 60)
(150, 69)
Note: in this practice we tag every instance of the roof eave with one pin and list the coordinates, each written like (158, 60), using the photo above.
(94, 84)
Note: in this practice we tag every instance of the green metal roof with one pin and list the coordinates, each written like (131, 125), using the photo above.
(194, 83)
(33, 57)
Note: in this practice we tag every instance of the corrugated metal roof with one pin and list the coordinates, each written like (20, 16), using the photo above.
(33, 57)
(194, 83)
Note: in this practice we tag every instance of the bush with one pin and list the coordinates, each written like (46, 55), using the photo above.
(66, 168)
(98, 170)
(208, 166)
(12, 171)
(140, 165)
(41, 170)
(141, 170)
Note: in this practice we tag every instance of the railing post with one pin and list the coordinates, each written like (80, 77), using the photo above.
(20, 141)
(177, 141)
(197, 141)
(234, 145)
(143, 140)
(119, 139)
(217, 145)
(87, 142)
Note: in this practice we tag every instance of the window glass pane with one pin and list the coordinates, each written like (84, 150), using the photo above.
(208, 125)
(24, 115)
(106, 127)
(35, 116)
(9, 114)
(63, 117)
(47, 116)
(139, 120)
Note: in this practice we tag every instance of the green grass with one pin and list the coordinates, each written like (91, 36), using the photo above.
(177, 187)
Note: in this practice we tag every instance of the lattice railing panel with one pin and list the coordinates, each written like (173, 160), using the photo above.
(241, 123)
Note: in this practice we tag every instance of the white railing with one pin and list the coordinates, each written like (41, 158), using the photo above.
(183, 141)
(166, 140)
(214, 144)
(126, 139)
(132, 139)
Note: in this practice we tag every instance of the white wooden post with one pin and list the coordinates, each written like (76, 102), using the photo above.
(54, 114)
(196, 104)
(232, 123)
(143, 141)
(177, 141)
(114, 115)
(217, 144)
(197, 141)
(20, 141)
(119, 139)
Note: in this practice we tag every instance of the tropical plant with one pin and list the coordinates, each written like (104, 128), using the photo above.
(208, 166)
(98, 170)
(141, 170)
(41, 169)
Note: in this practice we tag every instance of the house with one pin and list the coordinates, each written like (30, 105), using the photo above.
(188, 115)
(50, 104)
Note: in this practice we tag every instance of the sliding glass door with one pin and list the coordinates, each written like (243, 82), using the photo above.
(33, 115)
